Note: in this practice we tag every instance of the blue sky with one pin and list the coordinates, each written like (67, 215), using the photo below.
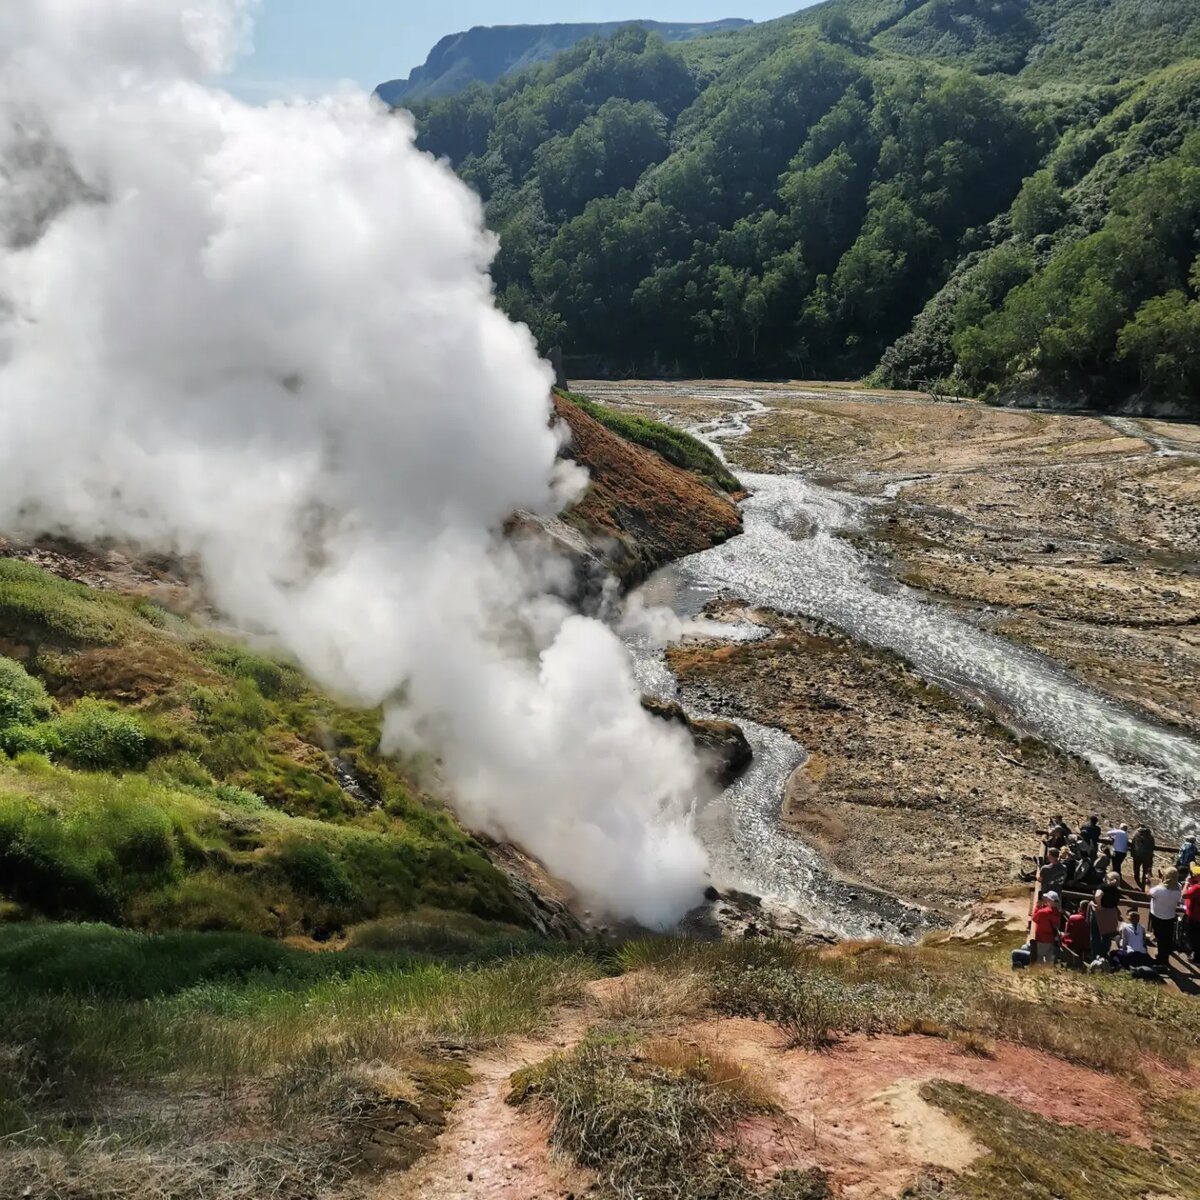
(307, 46)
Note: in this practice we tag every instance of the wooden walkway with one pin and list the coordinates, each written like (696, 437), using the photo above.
(1182, 973)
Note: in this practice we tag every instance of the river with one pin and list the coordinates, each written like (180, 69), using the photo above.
(792, 558)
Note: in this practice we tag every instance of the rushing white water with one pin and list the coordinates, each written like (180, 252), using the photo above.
(791, 558)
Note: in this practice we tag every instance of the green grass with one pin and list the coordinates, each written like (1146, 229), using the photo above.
(163, 776)
(139, 852)
(128, 1058)
(941, 990)
(677, 447)
(42, 607)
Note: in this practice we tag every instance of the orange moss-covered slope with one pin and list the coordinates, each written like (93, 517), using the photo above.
(647, 510)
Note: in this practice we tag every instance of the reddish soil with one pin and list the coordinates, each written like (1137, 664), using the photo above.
(855, 1110)
(492, 1150)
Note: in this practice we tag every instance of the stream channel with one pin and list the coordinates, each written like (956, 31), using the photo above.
(791, 558)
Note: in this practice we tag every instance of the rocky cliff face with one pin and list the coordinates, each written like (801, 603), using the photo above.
(486, 53)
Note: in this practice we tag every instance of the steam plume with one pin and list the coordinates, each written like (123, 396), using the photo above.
(267, 338)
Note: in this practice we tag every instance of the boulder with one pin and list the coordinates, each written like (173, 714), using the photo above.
(722, 744)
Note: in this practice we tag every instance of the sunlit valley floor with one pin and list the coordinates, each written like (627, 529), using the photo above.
(246, 955)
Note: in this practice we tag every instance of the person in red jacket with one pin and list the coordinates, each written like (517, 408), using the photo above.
(1047, 918)
(1077, 936)
(1191, 911)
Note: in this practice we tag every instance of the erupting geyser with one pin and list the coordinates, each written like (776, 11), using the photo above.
(266, 338)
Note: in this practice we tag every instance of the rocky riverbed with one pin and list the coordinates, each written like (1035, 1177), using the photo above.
(1072, 535)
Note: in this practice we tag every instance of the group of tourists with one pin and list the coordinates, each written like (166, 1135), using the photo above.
(1083, 918)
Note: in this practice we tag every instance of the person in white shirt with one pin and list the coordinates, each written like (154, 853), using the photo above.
(1120, 846)
(1131, 942)
(1164, 904)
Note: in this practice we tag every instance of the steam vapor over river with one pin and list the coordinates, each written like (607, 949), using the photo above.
(792, 559)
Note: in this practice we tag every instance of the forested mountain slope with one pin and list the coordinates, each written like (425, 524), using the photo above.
(1000, 195)
(486, 53)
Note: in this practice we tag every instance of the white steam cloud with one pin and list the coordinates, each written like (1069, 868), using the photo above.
(266, 338)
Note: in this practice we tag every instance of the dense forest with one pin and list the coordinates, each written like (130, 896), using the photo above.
(999, 197)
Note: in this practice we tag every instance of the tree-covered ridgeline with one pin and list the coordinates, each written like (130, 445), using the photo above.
(996, 196)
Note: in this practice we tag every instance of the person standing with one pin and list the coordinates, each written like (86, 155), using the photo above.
(1191, 911)
(1106, 917)
(1077, 936)
(1141, 846)
(1164, 904)
(1120, 846)
(1051, 873)
(1090, 833)
(1045, 922)
(1057, 834)
(1187, 857)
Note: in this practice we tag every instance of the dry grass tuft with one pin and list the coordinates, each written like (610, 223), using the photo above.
(657, 1121)
(708, 1065)
(650, 999)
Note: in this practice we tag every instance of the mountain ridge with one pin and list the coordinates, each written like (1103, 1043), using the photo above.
(486, 53)
(925, 191)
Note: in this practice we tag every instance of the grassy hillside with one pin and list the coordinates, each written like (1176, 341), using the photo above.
(160, 776)
(811, 196)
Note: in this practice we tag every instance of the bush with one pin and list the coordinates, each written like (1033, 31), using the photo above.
(312, 871)
(86, 863)
(99, 737)
(23, 699)
(30, 739)
(651, 1129)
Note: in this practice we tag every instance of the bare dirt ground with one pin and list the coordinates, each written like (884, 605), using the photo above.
(491, 1148)
(1080, 535)
(855, 1111)
(906, 789)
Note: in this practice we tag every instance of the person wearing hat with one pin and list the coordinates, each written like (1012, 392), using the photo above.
(1045, 923)
(1191, 911)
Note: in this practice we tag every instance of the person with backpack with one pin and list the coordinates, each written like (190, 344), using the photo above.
(1191, 912)
(1187, 857)
(1141, 848)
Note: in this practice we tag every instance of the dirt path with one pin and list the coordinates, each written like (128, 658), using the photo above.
(490, 1149)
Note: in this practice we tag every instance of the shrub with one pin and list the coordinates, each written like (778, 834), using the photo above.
(23, 699)
(99, 737)
(41, 739)
(650, 1129)
(208, 902)
(312, 871)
